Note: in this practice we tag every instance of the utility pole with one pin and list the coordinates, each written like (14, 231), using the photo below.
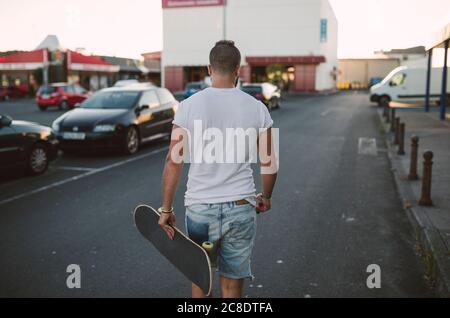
(224, 20)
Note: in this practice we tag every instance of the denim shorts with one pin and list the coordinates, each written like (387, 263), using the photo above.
(231, 228)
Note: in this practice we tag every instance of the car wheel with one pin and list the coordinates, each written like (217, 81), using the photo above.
(63, 105)
(131, 145)
(38, 160)
(384, 100)
(42, 108)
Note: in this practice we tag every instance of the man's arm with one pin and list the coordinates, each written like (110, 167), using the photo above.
(269, 169)
(171, 177)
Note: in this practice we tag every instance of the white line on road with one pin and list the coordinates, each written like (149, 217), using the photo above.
(367, 146)
(325, 113)
(74, 168)
(84, 175)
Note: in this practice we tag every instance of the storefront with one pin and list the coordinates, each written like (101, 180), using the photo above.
(293, 45)
(23, 70)
(92, 72)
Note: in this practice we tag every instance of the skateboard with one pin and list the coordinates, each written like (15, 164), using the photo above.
(188, 257)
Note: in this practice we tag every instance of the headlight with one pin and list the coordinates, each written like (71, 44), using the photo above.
(104, 128)
(55, 126)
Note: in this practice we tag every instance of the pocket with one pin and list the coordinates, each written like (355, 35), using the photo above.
(242, 229)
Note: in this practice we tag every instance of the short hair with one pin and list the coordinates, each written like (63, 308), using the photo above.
(225, 57)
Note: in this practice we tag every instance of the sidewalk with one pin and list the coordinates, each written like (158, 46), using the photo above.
(431, 224)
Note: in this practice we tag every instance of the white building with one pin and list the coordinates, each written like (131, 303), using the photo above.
(298, 35)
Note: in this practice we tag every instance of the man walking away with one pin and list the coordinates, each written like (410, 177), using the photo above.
(221, 202)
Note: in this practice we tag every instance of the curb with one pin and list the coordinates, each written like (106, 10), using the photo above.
(433, 248)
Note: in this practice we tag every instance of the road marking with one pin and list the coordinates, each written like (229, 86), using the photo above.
(325, 113)
(74, 168)
(367, 146)
(82, 176)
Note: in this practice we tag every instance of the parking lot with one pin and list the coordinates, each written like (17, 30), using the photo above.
(335, 212)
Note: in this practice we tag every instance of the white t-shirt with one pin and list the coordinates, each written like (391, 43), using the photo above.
(221, 109)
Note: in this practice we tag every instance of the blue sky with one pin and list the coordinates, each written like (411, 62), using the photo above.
(129, 28)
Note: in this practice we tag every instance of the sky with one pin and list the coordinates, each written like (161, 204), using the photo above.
(129, 28)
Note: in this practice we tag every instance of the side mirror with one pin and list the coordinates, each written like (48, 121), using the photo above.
(5, 121)
(142, 107)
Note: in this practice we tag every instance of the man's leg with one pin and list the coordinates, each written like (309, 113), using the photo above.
(198, 293)
(231, 288)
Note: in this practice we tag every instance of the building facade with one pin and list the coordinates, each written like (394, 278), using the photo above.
(292, 42)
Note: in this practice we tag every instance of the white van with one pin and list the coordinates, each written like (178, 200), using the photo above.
(408, 85)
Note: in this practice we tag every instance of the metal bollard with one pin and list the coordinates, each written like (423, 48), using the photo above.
(401, 143)
(413, 164)
(392, 120)
(425, 199)
(397, 131)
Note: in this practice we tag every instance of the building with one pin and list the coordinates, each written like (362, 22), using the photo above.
(359, 73)
(292, 42)
(152, 62)
(411, 57)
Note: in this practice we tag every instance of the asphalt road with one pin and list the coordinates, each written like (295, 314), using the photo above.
(335, 212)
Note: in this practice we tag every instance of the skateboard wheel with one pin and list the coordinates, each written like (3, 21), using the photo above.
(208, 246)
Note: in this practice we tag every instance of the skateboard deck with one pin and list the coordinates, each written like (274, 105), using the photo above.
(186, 255)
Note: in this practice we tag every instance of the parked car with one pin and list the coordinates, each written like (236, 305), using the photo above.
(117, 118)
(27, 145)
(407, 85)
(194, 87)
(267, 93)
(123, 83)
(61, 95)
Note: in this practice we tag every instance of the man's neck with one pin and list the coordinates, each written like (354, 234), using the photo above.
(223, 82)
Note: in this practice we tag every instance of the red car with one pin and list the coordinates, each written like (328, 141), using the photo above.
(61, 95)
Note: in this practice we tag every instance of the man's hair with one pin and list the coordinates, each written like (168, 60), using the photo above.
(225, 57)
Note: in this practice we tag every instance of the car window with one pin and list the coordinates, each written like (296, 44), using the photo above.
(252, 89)
(46, 90)
(165, 96)
(78, 89)
(112, 99)
(149, 98)
(398, 79)
(67, 89)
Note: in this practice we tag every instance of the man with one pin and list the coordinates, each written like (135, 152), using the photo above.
(220, 199)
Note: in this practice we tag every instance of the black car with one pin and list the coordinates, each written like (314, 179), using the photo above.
(27, 145)
(117, 118)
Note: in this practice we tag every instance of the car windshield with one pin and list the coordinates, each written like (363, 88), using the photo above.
(107, 100)
(193, 86)
(252, 89)
(46, 90)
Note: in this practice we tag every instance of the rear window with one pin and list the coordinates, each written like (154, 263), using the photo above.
(252, 89)
(165, 96)
(193, 86)
(46, 90)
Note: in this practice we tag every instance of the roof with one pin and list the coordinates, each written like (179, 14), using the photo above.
(24, 57)
(51, 43)
(411, 50)
(125, 64)
(23, 60)
(79, 62)
(140, 87)
(440, 37)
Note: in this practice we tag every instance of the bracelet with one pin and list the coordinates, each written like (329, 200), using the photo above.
(161, 210)
(264, 196)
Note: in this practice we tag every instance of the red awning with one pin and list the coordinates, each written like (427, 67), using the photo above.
(24, 60)
(79, 62)
(290, 60)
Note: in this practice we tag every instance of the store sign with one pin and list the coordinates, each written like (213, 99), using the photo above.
(168, 4)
